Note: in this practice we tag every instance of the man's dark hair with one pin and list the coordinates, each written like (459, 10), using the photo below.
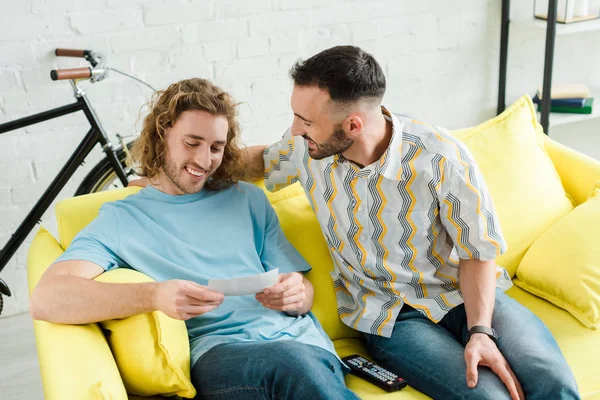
(347, 72)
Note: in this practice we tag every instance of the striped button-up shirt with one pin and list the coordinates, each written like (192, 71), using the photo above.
(396, 228)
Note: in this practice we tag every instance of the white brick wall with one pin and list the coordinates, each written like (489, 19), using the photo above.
(435, 54)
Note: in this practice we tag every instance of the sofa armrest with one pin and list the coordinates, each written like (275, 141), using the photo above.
(76, 363)
(75, 360)
(579, 173)
(44, 250)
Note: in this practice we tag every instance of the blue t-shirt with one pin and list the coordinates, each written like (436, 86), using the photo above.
(207, 235)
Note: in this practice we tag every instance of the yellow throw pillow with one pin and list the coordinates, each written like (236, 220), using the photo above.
(525, 187)
(152, 350)
(563, 265)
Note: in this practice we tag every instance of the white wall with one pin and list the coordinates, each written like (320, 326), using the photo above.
(440, 58)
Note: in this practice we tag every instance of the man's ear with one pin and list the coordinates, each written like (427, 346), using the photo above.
(353, 125)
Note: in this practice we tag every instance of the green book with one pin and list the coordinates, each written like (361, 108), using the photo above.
(586, 109)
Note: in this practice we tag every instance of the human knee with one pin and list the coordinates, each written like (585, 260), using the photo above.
(290, 354)
(300, 361)
(550, 381)
(306, 372)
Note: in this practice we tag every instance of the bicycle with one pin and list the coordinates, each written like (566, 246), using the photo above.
(110, 172)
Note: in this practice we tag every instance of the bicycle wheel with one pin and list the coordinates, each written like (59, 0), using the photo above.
(103, 177)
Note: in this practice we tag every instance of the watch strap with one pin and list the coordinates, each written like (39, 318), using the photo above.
(483, 329)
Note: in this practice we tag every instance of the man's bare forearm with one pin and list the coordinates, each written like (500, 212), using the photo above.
(67, 299)
(478, 285)
(252, 158)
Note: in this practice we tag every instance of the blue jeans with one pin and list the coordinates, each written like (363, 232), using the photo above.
(283, 369)
(431, 356)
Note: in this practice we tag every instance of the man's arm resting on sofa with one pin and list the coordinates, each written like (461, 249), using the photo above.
(293, 294)
(67, 294)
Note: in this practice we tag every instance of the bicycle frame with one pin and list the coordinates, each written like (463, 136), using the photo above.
(95, 135)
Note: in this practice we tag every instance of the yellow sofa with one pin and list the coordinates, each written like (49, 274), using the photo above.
(69, 354)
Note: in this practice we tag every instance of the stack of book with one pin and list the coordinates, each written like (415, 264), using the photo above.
(567, 98)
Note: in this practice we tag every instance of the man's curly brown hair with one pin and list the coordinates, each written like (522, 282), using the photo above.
(148, 152)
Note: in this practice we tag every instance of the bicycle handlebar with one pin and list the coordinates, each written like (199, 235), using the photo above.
(96, 73)
(72, 53)
(70, 73)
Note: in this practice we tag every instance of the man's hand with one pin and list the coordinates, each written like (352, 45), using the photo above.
(142, 182)
(252, 159)
(183, 300)
(481, 350)
(287, 294)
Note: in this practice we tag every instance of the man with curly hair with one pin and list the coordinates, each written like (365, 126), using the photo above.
(195, 222)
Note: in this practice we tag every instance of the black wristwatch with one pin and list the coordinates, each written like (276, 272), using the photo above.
(483, 329)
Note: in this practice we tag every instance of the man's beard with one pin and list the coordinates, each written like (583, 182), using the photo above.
(173, 172)
(337, 144)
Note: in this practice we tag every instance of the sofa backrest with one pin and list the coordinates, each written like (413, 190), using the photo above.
(523, 182)
(580, 173)
(73, 214)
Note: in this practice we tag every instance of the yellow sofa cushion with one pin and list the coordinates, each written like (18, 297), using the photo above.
(578, 344)
(151, 350)
(563, 265)
(525, 187)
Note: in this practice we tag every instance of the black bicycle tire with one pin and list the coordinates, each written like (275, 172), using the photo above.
(100, 171)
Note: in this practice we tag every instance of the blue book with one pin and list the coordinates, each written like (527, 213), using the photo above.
(570, 103)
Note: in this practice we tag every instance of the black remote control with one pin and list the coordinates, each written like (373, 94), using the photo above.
(374, 373)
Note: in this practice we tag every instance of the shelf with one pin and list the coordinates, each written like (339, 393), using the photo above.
(532, 27)
(557, 119)
(561, 29)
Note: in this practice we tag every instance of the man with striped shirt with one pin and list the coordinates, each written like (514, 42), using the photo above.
(413, 234)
